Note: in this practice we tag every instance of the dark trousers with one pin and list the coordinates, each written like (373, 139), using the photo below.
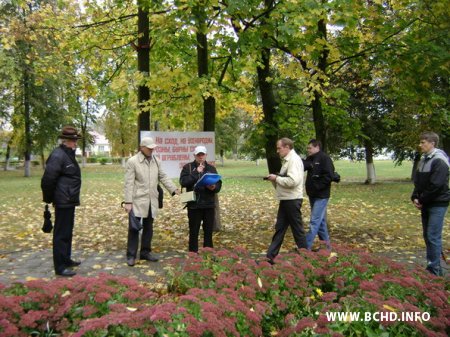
(62, 238)
(146, 239)
(289, 214)
(196, 217)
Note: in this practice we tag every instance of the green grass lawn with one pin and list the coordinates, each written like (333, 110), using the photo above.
(379, 217)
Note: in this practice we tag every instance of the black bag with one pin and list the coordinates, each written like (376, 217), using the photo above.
(134, 222)
(336, 177)
(47, 227)
(160, 190)
(160, 197)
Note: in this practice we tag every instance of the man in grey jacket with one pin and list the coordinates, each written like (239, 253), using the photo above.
(143, 173)
(289, 190)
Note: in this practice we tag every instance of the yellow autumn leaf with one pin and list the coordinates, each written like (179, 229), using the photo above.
(319, 292)
(260, 282)
(388, 307)
(66, 293)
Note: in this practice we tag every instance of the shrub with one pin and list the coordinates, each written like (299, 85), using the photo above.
(224, 293)
(103, 160)
(116, 160)
(301, 288)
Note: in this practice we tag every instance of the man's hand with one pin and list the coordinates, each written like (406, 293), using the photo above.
(417, 204)
(128, 207)
(177, 192)
(272, 177)
(211, 187)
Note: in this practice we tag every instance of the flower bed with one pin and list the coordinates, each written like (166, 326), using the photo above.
(224, 293)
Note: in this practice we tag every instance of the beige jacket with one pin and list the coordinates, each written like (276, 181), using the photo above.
(141, 181)
(289, 184)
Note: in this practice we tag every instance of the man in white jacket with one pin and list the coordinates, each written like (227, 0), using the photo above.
(289, 190)
(143, 173)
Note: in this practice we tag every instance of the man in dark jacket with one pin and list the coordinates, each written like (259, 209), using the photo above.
(431, 195)
(61, 185)
(318, 184)
(203, 208)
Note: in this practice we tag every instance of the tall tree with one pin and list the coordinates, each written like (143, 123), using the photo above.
(143, 56)
(35, 81)
(120, 117)
(209, 101)
(264, 74)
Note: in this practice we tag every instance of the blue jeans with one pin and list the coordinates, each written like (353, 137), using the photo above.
(432, 224)
(318, 223)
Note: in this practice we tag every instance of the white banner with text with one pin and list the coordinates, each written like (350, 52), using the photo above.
(175, 149)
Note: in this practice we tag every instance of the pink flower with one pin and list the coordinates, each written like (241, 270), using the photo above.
(9, 330)
(306, 322)
(31, 318)
(289, 319)
(117, 307)
(329, 297)
(321, 330)
(89, 310)
(102, 297)
(369, 285)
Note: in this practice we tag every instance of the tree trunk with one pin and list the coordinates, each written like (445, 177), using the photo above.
(8, 155)
(371, 177)
(209, 102)
(84, 135)
(415, 165)
(269, 110)
(42, 160)
(143, 51)
(316, 104)
(446, 142)
(319, 120)
(122, 152)
(27, 119)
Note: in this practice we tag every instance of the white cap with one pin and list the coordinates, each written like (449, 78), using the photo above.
(200, 149)
(148, 142)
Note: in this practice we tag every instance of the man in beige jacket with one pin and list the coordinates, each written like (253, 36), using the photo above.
(289, 190)
(143, 173)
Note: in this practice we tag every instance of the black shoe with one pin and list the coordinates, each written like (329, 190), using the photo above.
(74, 263)
(67, 273)
(270, 260)
(149, 257)
(130, 262)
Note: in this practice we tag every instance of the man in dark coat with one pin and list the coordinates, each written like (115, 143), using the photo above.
(60, 186)
(431, 196)
(203, 209)
(318, 185)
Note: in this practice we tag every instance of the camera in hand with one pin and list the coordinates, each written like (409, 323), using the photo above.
(267, 178)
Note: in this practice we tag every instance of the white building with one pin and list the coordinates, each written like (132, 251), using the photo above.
(100, 147)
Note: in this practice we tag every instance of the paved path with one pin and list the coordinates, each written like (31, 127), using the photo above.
(22, 266)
